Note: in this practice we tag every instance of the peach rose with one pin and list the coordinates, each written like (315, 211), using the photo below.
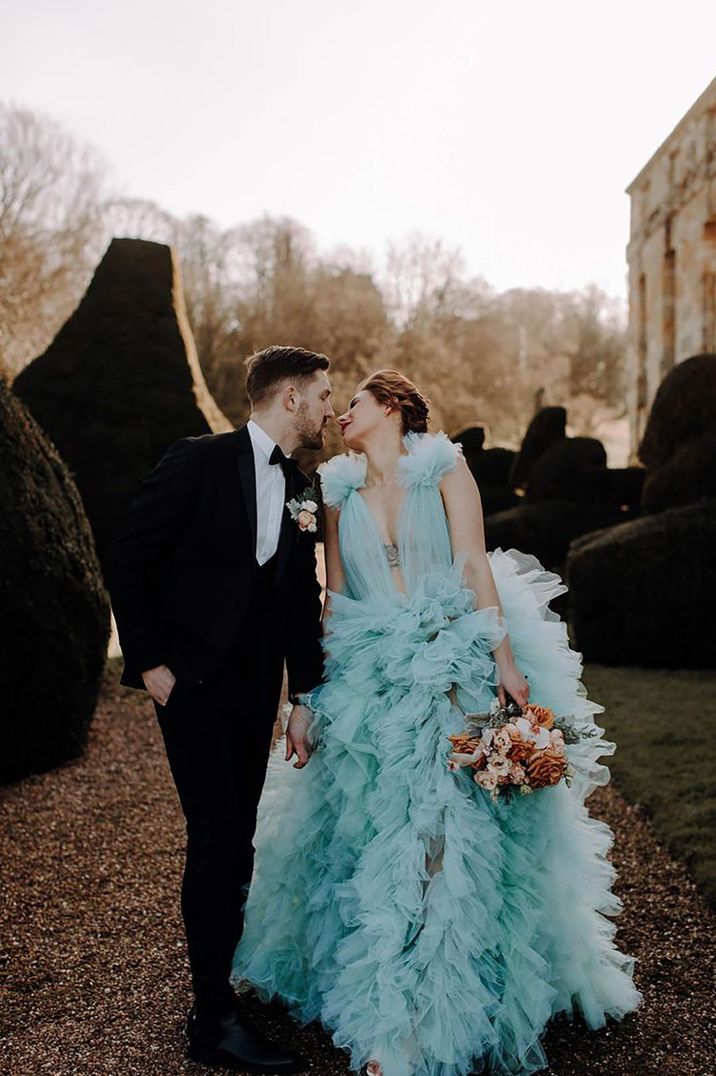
(557, 740)
(306, 520)
(486, 779)
(517, 774)
(539, 715)
(502, 741)
(498, 764)
(546, 767)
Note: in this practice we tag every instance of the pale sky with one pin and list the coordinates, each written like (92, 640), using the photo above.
(508, 128)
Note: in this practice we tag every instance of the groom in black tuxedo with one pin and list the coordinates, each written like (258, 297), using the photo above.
(213, 586)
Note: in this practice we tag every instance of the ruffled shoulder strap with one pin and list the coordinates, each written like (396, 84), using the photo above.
(340, 476)
(430, 456)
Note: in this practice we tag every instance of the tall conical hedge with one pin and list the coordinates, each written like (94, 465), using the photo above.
(121, 381)
(547, 426)
(54, 610)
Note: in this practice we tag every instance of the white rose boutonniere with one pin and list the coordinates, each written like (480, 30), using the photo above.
(304, 509)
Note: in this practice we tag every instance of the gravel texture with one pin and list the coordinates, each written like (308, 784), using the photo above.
(95, 978)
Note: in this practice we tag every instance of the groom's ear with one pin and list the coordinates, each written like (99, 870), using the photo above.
(290, 396)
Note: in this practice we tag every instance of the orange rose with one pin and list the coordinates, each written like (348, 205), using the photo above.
(539, 715)
(464, 744)
(546, 767)
(520, 749)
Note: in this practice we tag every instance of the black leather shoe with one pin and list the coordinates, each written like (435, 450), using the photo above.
(230, 1043)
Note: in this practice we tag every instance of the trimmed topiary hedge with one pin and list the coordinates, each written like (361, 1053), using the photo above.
(497, 499)
(684, 408)
(491, 469)
(546, 529)
(617, 485)
(566, 471)
(689, 476)
(54, 610)
(472, 440)
(121, 381)
(494, 467)
(643, 593)
(547, 426)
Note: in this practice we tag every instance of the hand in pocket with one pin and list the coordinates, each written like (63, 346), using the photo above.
(159, 683)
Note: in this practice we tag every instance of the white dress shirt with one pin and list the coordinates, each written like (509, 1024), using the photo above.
(270, 493)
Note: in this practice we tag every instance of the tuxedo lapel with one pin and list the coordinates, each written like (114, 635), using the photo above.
(289, 528)
(247, 476)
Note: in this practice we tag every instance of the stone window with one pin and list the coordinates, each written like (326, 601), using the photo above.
(709, 303)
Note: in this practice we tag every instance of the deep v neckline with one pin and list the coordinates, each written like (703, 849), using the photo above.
(395, 573)
(374, 519)
(401, 510)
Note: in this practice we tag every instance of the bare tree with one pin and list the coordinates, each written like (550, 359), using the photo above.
(50, 193)
(137, 218)
(422, 278)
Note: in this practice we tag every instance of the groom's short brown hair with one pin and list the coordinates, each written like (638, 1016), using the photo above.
(268, 368)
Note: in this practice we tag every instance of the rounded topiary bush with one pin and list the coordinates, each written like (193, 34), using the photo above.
(643, 593)
(54, 610)
(568, 471)
(688, 476)
(497, 499)
(491, 469)
(547, 426)
(617, 485)
(546, 529)
(472, 440)
(494, 467)
(684, 408)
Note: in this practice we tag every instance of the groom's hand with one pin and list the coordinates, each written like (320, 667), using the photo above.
(297, 742)
(159, 683)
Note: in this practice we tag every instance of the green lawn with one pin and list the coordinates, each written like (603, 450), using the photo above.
(664, 725)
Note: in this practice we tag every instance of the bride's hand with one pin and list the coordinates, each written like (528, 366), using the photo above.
(512, 683)
(297, 742)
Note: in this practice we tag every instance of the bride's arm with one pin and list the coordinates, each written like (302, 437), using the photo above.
(335, 577)
(463, 506)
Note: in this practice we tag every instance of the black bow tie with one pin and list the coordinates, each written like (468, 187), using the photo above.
(288, 466)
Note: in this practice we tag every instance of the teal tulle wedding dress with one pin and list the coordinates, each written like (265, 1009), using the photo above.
(424, 925)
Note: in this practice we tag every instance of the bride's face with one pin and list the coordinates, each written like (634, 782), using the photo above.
(363, 416)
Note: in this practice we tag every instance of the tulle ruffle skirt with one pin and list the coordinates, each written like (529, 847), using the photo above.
(424, 925)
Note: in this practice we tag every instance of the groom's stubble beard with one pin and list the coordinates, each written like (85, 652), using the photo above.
(310, 435)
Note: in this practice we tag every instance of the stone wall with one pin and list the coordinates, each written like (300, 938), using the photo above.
(672, 257)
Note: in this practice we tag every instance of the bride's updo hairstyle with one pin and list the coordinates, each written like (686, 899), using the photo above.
(393, 389)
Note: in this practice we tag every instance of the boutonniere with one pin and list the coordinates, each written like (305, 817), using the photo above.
(304, 509)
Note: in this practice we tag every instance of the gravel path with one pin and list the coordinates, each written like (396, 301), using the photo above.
(91, 946)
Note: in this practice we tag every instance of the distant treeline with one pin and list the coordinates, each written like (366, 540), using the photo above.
(480, 355)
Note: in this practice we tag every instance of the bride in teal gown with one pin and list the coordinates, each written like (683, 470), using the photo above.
(432, 931)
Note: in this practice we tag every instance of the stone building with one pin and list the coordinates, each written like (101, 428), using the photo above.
(672, 256)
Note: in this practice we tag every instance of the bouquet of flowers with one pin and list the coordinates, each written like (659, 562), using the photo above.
(515, 749)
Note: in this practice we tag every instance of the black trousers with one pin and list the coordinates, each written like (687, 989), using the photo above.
(217, 737)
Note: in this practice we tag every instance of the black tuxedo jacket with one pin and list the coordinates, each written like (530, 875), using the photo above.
(182, 569)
